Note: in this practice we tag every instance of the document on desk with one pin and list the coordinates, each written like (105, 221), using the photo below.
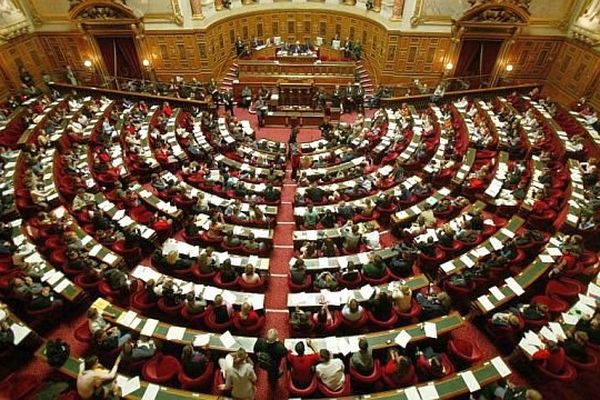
(403, 338)
(149, 327)
(228, 340)
(429, 392)
(430, 330)
(175, 333)
(151, 392)
(501, 367)
(469, 378)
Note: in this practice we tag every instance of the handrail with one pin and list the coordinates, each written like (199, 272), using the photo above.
(177, 101)
(426, 98)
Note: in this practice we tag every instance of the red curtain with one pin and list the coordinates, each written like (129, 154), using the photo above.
(127, 60)
(107, 50)
(468, 62)
(477, 57)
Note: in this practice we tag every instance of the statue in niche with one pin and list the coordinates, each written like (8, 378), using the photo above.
(10, 13)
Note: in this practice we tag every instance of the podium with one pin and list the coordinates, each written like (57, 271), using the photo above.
(295, 93)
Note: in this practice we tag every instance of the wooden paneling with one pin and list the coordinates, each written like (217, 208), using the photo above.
(533, 57)
(178, 53)
(575, 70)
(412, 56)
(24, 51)
(65, 49)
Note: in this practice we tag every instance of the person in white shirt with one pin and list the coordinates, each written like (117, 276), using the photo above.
(240, 377)
(352, 311)
(330, 371)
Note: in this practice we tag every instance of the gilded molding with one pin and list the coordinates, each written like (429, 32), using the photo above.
(177, 15)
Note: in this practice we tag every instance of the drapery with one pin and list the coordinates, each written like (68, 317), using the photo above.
(477, 57)
(106, 46)
(120, 56)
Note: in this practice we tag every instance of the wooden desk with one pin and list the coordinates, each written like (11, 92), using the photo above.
(303, 118)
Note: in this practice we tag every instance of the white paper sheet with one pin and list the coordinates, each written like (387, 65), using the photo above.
(430, 330)
(470, 380)
(175, 333)
(149, 327)
(151, 392)
(228, 340)
(501, 367)
(403, 338)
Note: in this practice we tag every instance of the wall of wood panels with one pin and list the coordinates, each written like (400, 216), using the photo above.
(575, 73)
(414, 56)
(64, 49)
(532, 57)
(24, 51)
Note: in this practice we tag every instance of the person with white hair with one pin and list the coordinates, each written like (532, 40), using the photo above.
(270, 351)
(240, 377)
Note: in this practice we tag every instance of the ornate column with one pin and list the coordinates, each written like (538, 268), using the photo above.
(376, 5)
(397, 10)
(196, 9)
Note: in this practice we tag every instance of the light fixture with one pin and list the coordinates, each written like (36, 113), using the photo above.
(509, 67)
(87, 64)
(146, 62)
(449, 66)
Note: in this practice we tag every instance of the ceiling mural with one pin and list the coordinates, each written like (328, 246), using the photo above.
(587, 25)
(554, 13)
(43, 11)
(13, 21)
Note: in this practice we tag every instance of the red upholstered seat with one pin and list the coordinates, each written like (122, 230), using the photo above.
(568, 374)
(258, 287)
(343, 391)
(82, 333)
(140, 302)
(252, 330)
(172, 311)
(295, 288)
(130, 255)
(212, 324)
(209, 277)
(410, 378)
(464, 350)
(554, 304)
(87, 282)
(564, 288)
(201, 382)
(412, 315)
(376, 281)
(355, 326)
(161, 369)
(351, 284)
(195, 320)
(226, 285)
(361, 379)
(296, 391)
(590, 365)
(381, 325)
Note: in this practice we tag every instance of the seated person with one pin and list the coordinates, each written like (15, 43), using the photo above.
(221, 309)
(93, 378)
(7, 336)
(111, 339)
(250, 276)
(96, 322)
(193, 361)
(397, 367)
(247, 316)
(362, 360)
(403, 298)
(228, 274)
(352, 239)
(433, 304)
(375, 268)
(322, 318)
(506, 319)
(430, 364)
(330, 371)
(206, 263)
(301, 364)
(326, 280)
(300, 320)
(401, 265)
(298, 272)
(329, 249)
(352, 311)
(350, 273)
(575, 346)
(194, 304)
(380, 305)
(591, 326)
(311, 217)
(143, 348)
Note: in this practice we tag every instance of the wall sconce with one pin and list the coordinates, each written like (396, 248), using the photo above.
(509, 68)
(88, 64)
(146, 62)
(449, 66)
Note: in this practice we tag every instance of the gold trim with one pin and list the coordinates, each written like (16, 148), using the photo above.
(177, 15)
(420, 18)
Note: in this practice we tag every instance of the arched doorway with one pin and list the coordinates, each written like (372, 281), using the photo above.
(120, 56)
